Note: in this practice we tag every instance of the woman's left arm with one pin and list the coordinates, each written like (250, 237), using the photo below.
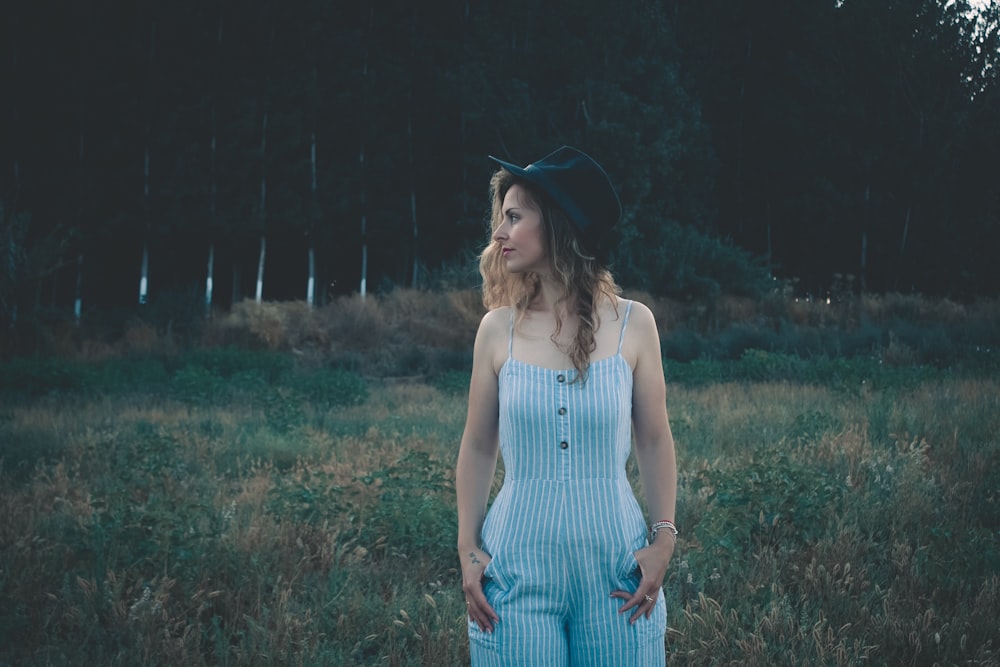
(654, 448)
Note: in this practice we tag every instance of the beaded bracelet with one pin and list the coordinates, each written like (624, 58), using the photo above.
(660, 525)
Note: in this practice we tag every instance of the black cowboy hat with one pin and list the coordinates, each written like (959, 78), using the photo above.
(578, 185)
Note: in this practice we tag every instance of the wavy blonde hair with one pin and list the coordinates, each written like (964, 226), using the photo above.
(584, 279)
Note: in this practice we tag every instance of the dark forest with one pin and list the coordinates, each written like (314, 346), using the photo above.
(311, 145)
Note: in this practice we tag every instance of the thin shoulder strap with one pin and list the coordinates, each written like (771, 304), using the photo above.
(510, 336)
(621, 338)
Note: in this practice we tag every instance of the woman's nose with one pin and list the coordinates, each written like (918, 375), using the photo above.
(500, 232)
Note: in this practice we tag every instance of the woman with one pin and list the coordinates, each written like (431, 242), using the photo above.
(563, 570)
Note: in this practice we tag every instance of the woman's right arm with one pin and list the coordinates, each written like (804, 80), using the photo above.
(477, 460)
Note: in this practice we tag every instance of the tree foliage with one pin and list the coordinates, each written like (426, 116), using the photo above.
(799, 139)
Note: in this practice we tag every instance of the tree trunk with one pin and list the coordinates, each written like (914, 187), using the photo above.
(413, 169)
(209, 280)
(263, 208)
(364, 199)
(862, 278)
(364, 250)
(78, 301)
(213, 185)
(213, 190)
(78, 296)
(260, 268)
(864, 259)
(740, 130)
(144, 275)
(237, 294)
(413, 198)
(906, 232)
(311, 284)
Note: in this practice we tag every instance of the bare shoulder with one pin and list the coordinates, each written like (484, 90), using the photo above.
(641, 317)
(491, 339)
(494, 323)
(642, 340)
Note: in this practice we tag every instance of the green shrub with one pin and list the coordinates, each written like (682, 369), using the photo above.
(414, 514)
(197, 384)
(21, 451)
(228, 361)
(455, 383)
(38, 376)
(308, 495)
(772, 501)
(329, 387)
(683, 345)
(141, 374)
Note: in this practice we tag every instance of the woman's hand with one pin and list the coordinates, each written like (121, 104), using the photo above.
(474, 562)
(653, 563)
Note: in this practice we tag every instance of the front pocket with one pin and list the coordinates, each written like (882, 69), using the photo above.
(628, 569)
(487, 640)
(494, 574)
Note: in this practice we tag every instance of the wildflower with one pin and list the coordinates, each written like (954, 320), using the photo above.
(145, 608)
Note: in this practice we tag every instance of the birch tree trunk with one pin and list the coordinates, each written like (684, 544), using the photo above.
(263, 208)
(85, 37)
(413, 197)
(237, 294)
(13, 252)
(409, 150)
(311, 284)
(213, 185)
(265, 106)
(740, 129)
(78, 301)
(866, 220)
(364, 239)
(260, 268)
(213, 190)
(361, 160)
(144, 272)
(144, 275)
(906, 231)
(209, 280)
(78, 296)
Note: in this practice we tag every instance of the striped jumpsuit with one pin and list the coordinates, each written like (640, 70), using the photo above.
(563, 528)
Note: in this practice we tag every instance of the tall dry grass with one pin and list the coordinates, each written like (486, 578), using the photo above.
(819, 527)
(165, 506)
(416, 332)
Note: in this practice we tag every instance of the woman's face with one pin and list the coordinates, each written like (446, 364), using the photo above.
(521, 233)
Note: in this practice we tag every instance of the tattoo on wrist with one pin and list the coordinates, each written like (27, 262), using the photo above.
(472, 555)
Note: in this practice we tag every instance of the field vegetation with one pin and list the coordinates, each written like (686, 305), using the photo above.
(276, 487)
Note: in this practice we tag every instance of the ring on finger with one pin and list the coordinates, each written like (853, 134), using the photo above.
(648, 599)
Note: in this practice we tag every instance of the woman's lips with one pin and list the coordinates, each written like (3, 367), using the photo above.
(507, 251)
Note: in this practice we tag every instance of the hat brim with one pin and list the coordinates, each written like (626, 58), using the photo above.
(536, 177)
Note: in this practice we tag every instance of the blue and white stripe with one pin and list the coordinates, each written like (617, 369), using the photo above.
(563, 529)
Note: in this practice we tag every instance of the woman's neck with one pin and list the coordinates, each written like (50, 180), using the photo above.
(551, 299)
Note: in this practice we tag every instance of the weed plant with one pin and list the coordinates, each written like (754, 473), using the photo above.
(821, 524)
(262, 504)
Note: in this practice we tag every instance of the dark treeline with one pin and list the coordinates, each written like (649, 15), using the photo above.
(799, 139)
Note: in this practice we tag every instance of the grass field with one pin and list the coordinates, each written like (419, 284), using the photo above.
(232, 508)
